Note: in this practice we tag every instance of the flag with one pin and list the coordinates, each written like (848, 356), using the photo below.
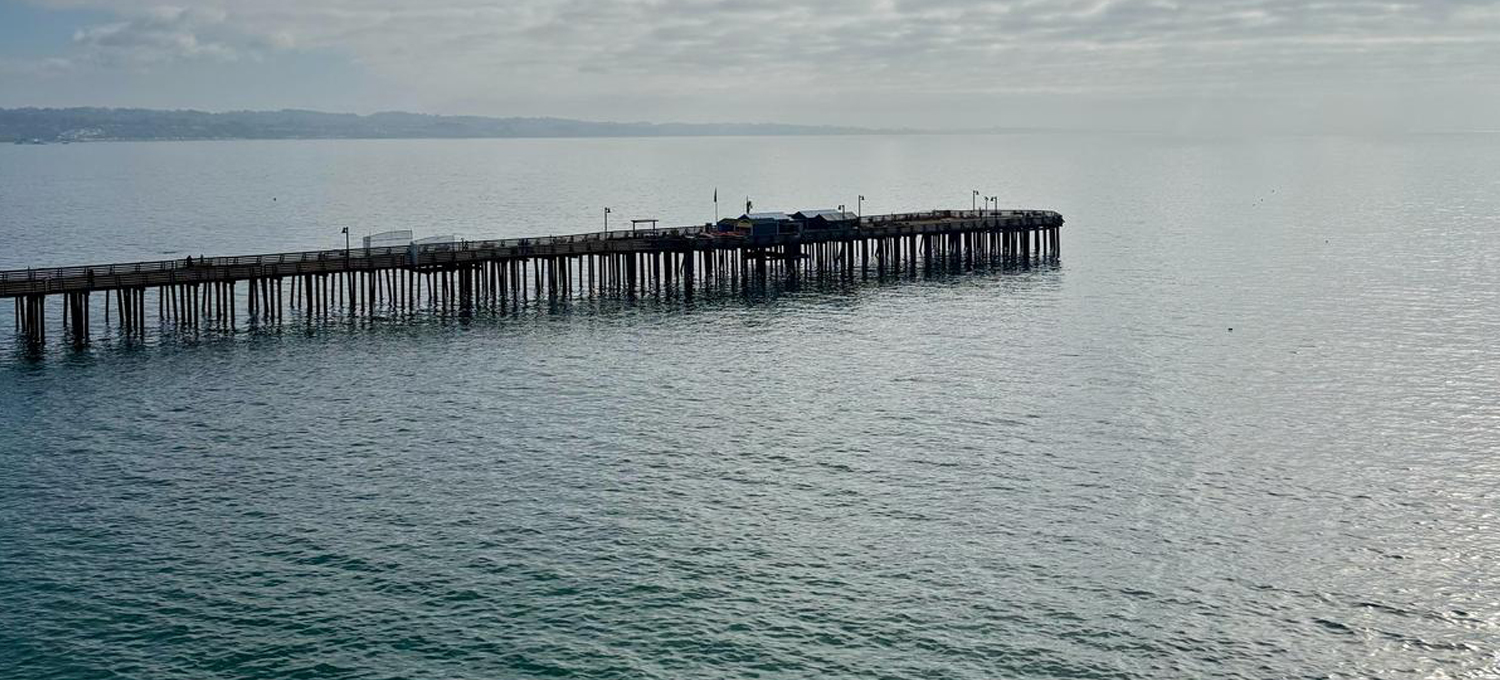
(345, 230)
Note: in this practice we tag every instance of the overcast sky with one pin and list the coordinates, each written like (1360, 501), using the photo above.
(1339, 65)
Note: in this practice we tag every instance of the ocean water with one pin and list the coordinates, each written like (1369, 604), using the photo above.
(1247, 427)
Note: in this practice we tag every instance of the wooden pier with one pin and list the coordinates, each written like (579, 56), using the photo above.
(466, 275)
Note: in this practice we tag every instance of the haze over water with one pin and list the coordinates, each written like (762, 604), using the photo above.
(1245, 428)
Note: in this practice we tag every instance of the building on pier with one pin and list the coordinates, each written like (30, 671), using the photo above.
(768, 223)
(387, 239)
(825, 218)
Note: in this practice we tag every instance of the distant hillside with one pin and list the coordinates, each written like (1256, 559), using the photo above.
(100, 124)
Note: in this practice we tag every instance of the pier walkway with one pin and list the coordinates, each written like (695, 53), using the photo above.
(467, 274)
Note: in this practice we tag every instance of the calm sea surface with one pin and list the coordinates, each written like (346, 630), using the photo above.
(1076, 471)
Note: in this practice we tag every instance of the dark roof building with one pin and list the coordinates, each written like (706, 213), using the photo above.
(809, 214)
(766, 217)
(826, 219)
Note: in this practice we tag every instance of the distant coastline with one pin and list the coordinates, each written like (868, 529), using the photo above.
(98, 124)
(88, 124)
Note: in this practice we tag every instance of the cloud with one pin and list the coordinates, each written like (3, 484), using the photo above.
(47, 67)
(505, 54)
(156, 35)
(579, 33)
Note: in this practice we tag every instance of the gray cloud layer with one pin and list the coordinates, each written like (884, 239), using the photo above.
(883, 62)
(156, 35)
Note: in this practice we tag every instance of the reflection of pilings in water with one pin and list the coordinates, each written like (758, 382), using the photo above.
(463, 278)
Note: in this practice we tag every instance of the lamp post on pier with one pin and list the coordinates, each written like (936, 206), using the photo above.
(606, 219)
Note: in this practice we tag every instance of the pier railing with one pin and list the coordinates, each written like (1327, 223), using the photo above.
(186, 264)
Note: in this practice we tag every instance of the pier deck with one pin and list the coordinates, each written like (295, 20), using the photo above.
(464, 274)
